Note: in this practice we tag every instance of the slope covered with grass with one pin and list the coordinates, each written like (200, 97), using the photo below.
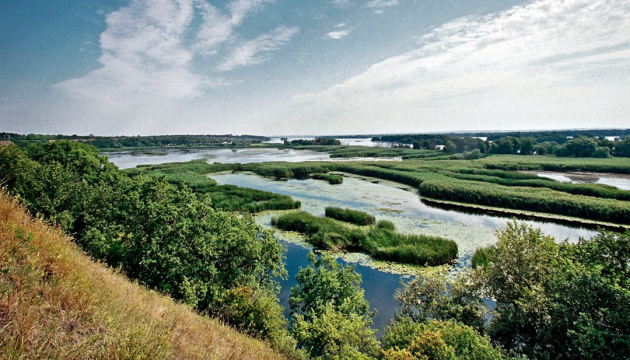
(55, 302)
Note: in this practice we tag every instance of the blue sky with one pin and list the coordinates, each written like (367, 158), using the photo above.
(312, 67)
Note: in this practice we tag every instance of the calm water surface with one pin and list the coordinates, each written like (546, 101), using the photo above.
(131, 159)
(619, 181)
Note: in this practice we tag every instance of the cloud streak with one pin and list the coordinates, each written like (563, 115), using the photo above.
(255, 51)
(545, 54)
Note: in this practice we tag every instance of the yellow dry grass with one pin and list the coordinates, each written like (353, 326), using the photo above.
(55, 302)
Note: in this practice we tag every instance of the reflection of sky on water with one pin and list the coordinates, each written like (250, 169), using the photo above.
(621, 182)
(379, 286)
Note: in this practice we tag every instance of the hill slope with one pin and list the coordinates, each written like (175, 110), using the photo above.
(57, 303)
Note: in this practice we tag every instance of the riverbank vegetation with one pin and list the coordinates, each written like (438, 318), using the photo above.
(381, 242)
(224, 197)
(490, 181)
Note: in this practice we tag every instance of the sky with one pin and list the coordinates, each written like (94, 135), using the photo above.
(316, 67)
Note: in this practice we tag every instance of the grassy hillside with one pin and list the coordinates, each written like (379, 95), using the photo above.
(57, 303)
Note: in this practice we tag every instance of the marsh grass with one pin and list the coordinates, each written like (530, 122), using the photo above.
(356, 217)
(55, 302)
(332, 179)
(382, 242)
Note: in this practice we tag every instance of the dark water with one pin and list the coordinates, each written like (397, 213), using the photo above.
(379, 286)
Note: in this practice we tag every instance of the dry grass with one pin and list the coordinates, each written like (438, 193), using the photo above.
(57, 303)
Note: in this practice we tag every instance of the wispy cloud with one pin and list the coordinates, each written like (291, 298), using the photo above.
(254, 51)
(338, 34)
(381, 3)
(545, 60)
(147, 53)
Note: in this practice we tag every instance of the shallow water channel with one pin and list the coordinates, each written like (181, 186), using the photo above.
(617, 180)
(386, 201)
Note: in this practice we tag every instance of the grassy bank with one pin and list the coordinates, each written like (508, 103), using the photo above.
(57, 303)
(380, 241)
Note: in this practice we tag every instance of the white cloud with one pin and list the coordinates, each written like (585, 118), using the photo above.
(381, 3)
(248, 52)
(146, 53)
(338, 34)
(340, 25)
(545, 61)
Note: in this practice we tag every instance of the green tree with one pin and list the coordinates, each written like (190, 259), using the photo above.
(331, 317)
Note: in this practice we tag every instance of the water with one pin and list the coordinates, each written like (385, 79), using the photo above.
(379, 286)
(619, 181)
(387, 201)
(131, 159)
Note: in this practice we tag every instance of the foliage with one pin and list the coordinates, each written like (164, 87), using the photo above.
(379, 242)
(158, 233)
(484, 256)
(331, 317)
(559, 301)
(332, 179)
(432, 296)
(441, 340)
(348, 215)
(57, 303)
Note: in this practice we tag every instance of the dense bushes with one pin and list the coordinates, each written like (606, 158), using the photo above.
(348, 215)
(381, 242)
(160, 234)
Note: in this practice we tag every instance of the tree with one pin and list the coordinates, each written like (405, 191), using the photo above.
(443, 340)
(331, 316)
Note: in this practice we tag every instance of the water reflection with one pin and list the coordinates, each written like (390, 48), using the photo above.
(379, 286)
(619, 181)
(131, 159)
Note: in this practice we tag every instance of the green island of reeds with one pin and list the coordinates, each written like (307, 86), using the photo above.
(381, 241)
(356, 217)
(332, 179)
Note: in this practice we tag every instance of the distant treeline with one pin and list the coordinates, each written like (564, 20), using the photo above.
(119, 142)
(317, 141)
(540, 135)
(587, 145)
